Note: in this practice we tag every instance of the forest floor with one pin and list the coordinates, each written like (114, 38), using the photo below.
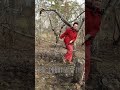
(49, 54)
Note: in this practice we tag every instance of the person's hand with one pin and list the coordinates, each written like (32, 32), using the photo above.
(71, 41)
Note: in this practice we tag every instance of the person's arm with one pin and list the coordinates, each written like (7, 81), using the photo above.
(73, 40)
(63, 35)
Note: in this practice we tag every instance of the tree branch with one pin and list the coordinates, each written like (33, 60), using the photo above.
(60, 16)
(81, 23)
(74, 19)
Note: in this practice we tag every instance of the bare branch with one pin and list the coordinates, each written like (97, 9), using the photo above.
(81, 23)
(74, 19)
(61, 17)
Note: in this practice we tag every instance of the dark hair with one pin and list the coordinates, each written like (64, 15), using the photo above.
(75, 23)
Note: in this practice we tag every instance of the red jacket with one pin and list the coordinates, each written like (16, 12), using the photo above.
(69, 35)
(92, 22)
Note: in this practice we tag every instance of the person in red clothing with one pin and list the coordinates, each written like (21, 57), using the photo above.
(92, 25)
(69, 36)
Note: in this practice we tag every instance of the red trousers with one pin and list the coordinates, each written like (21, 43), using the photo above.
(87, 61)
(68, 56)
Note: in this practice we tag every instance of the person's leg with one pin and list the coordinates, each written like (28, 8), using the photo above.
(87, 61)
(69, 54)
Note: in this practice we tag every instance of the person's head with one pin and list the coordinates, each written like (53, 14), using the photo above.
(75, 25)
